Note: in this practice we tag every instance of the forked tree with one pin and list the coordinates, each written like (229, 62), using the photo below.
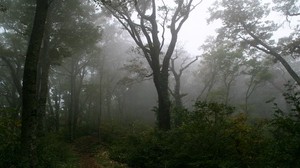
(148, 22)
(177, 72)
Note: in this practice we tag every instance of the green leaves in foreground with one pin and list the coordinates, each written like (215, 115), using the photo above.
(209, 137)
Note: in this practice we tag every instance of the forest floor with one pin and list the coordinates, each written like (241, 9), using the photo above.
(92, 154)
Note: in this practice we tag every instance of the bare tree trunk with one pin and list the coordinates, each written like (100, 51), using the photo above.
(99, 114)
(72, 102)
(210, 86)
(163, 114)
(57, 100)
(29, 90)
(177, 75)
(42, 78)
(177, 95)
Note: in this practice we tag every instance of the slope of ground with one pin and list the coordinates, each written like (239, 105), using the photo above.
(92, 154)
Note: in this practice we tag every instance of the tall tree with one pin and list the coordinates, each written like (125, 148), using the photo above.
(258, 73)
(71, 34)
(222, 61)
(177, 73)
(246, 21)
(29, 90)
(15, 25)
(145, 31)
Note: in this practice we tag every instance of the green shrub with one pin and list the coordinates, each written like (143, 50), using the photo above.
(139, 149)
(208, 137)
(53, 152)
(286, 130)
(9, 137)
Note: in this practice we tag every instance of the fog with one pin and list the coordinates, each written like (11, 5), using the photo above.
(111, 52)
(139, 67)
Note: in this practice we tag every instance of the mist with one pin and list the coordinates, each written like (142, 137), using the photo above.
(149, 83)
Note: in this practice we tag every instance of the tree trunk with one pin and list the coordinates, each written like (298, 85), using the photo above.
(72, 104)
(228, 87)
(76, 88)
(100, 106)
(29, 90)
(56, 96)
(163, 114)
(42, 97)
(210, 86)
(273, 52)
(177, 95)
(42, 78)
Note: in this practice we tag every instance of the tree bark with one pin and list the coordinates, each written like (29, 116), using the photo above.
(57, 102)
(77, 75)
(177, 95)
(163, 114)
(72, 102)
(42, 78)
(29, 90)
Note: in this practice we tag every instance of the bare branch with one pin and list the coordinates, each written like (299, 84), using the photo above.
(190, 63)
(163, 24)
(288, 13)
(269, 50)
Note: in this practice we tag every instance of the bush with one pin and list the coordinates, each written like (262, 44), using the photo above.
(53, 152)
(9, 137)
(286, 130)
(208, 137)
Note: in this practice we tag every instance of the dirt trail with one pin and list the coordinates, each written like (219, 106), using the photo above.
(88, 162)
(93, 155)
(86, 147)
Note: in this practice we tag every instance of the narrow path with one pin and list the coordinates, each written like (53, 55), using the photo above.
(93, 155)
(86, 148)
(88, 162)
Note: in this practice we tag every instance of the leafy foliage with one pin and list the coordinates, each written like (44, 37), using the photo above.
(208, 137)
(246, 21)
(286, 129)
(289, 8)
(53, 152)
(9, 134)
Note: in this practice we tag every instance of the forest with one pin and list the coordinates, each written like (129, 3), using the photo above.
(115, 84)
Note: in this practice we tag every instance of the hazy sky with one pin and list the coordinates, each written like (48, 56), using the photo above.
(195, 30)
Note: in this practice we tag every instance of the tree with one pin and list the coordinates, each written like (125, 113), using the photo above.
(177, 73)
(15, 25)
(288, 8)
(44, 70)
(258, 72)
(223, 60)
(230, 63)
(3, 8)
(144, 30)
(208, 73)
(70, 42)
(11, 87)
(245, 21)
(29, 90)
